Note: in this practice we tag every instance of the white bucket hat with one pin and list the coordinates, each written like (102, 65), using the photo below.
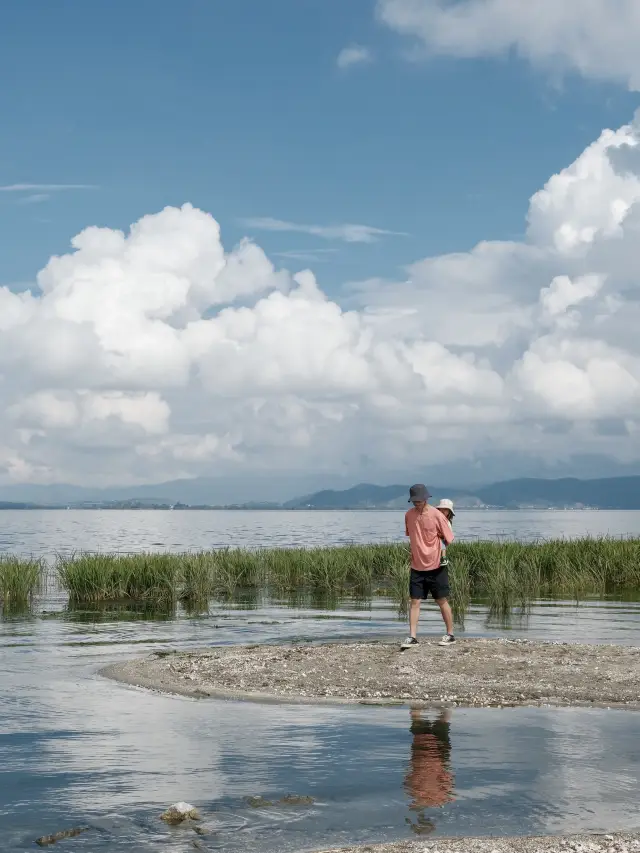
(445, 503)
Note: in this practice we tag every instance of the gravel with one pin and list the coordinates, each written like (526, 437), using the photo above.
(613, 843)
(473, 672)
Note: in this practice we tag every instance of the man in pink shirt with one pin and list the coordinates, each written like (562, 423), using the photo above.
(427, 528)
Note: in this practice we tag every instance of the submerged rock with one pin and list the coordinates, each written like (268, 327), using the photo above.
(288, 800)
(45, 840)
(257, 802)
(295, 800)
(179, 812)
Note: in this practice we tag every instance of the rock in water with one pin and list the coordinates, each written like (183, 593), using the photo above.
(59, 836)
(257, 802)
(179, 812)
(295, 800)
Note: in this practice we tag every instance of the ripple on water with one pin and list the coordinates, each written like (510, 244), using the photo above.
(49, 531)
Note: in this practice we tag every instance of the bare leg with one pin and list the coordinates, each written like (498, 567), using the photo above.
(414, 617)
(447, 615)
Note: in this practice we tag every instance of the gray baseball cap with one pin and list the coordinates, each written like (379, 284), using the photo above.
(419, 492)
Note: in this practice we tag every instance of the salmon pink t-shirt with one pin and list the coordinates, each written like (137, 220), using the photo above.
(426, 530)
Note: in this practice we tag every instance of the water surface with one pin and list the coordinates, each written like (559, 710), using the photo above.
(45, 532)
(76, 749)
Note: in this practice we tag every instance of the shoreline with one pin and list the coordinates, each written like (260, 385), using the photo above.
(596, 842)
(479, 673)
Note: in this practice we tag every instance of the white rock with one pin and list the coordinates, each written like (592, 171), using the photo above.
(179, 812)
(183, 808)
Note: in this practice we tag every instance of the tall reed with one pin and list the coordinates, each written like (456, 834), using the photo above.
(116, 577)
(506, 575)
(19, 581)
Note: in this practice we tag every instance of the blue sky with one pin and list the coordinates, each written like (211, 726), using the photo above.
(159, 356)
(239, 107)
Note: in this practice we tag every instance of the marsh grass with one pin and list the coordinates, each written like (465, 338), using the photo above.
(507, 575)
(19, 580)
(115, 577)
(461, 588)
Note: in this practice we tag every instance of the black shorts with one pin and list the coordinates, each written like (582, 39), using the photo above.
(434, 583)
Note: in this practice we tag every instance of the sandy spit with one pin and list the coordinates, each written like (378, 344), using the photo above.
(613, 843)
(475, 673)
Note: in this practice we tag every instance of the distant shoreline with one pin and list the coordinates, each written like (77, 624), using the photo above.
(231, 508)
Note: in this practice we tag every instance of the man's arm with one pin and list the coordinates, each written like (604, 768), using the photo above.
(444, 530)
(406, 526)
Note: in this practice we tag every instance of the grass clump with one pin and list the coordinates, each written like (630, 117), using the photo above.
(504, 574)
(116, 577)
(19, 581)
(519, 571)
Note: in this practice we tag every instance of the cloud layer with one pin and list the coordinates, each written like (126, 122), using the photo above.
(156, 354)
(595, 38)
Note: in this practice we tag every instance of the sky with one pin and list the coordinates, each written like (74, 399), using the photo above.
(337, 241)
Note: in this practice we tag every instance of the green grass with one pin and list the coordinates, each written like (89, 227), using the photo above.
(19, 580)
(113, 577)
(505, 575)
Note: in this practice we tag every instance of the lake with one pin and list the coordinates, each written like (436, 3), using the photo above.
(77, 750)
(45, 532)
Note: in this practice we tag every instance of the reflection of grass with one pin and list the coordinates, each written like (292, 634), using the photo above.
(506, 575)
(19, 580)
(108, 611)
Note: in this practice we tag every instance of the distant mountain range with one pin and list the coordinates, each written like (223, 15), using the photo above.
(608, 493)
(611, 493)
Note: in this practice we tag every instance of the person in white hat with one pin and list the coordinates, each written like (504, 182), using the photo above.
(446, 508)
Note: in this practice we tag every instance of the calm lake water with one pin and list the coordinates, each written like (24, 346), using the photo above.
(46, 532)
(76, 749)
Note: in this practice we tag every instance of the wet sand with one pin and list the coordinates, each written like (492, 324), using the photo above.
(621, 842)
(473, 673)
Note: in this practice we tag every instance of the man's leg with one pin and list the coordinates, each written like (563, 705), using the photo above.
(414, 617)
(447, 615)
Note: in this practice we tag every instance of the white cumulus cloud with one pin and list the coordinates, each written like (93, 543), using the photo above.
(595, 38)
(156, 353)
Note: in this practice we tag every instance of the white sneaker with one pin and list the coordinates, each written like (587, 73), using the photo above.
(410, 641)
(447, 640)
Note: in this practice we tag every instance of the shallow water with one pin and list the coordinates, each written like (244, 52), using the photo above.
(77, 749)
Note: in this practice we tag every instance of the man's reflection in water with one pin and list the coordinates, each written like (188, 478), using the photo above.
(429, 781)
